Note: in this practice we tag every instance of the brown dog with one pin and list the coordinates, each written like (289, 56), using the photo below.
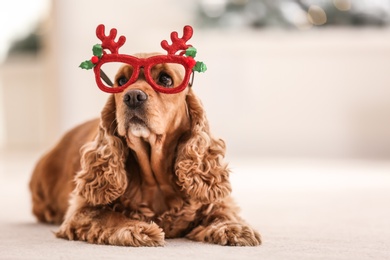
(148, 169)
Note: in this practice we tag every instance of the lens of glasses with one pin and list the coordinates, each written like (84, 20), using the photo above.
(168, 75)
(115, 74)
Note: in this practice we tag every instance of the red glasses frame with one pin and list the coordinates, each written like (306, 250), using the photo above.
(146, 63)
(176, 52)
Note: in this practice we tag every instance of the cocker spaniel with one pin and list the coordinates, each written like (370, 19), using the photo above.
(147, 170)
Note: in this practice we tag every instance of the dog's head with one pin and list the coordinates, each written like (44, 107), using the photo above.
(149, 90)
(141, 111)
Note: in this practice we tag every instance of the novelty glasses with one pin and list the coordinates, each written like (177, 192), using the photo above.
(167, 74)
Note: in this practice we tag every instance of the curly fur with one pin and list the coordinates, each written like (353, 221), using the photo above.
(102, 177)
(199, 167)
(107, 184)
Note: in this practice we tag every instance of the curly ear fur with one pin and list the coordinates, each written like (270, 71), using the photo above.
(102, 177)
(199, 167)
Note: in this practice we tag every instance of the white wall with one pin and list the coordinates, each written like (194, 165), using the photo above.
(23, 100)
(2, 119)
(270, 93)
(321, 93)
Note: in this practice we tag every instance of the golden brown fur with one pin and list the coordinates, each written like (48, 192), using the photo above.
(120, 182)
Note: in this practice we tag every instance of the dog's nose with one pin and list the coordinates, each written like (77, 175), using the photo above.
(135, 98)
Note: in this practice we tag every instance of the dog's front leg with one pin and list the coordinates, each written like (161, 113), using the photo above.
(101, 225)
(222, 226)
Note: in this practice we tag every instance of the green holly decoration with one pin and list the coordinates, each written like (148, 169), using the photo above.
(97, 51)
(87, 65)
(200, 67)
(191, 52)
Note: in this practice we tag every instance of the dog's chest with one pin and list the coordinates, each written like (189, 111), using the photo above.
(152, 200)
(174, 215)
(160, 200)
(150, 191)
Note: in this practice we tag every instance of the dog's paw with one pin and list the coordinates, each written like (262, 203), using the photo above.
(227, 234)
(139, 234)
(133, 234)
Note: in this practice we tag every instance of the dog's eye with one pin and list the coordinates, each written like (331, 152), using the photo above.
(122, 81)
(165, 80)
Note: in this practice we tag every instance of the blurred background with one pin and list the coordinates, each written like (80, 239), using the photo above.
(286, 78)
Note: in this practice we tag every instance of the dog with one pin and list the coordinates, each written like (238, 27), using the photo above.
(147, 170)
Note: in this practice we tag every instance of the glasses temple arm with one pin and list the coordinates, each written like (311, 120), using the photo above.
(106, 78)
(192, 79)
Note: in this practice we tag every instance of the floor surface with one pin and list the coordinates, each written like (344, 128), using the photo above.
(304, 209)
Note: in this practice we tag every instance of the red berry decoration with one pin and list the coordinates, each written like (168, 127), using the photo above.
(191, 62)
(94, 59)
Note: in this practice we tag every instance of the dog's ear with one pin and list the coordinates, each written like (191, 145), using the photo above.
(199, 166)
(102, 177)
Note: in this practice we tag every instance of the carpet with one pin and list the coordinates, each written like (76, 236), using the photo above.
(304, 209)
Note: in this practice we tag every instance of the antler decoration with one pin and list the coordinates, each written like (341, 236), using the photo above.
(178, 43)
(108, 42)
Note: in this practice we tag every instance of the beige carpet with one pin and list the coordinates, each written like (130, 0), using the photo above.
(304, 209)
